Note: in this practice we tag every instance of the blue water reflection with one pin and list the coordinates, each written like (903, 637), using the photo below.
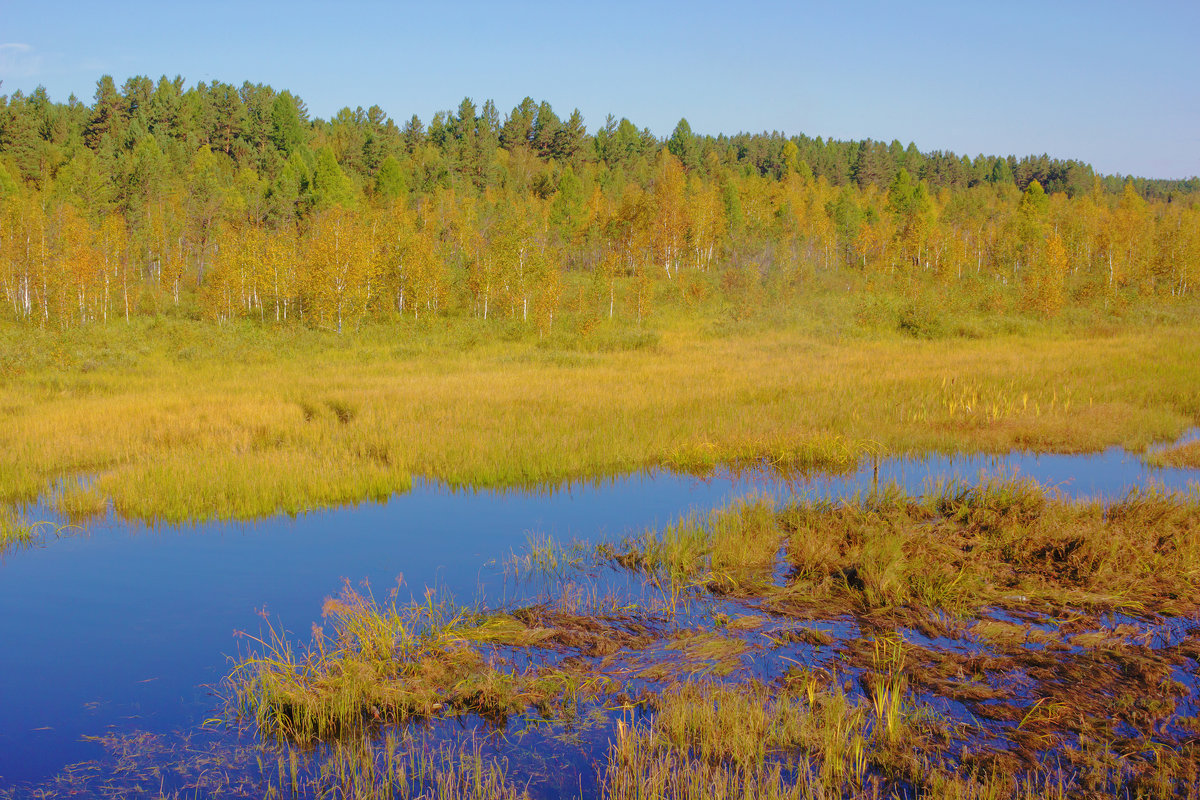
(126, 627)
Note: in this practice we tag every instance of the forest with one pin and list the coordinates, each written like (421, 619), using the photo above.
(221, 203)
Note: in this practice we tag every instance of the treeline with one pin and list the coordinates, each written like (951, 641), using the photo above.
(232, 202)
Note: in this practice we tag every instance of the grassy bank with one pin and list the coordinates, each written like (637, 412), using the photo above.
(181, 420)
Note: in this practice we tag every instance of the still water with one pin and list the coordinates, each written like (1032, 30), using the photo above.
(125, 627)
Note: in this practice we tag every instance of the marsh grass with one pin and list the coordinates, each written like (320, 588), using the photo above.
(1005, 544)
(824, 453)
(803, 738)
(14, 531)
(731, 549)
(1186, 456)
(808, 739)
(958, 550)
(1099, 695)
(79, 502)
(980, 641)
(382, 664)
(255, 422)
(385, 663)
(545, 556)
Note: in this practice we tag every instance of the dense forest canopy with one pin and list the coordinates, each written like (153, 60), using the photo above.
(230, 202)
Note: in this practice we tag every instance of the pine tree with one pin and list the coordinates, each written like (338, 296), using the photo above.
(546, 131)
(389, 181)
(330, 185)
(518, 126)
(227, 116)
(682, 145)
(570, 138)
(106, 119)
(287, 129)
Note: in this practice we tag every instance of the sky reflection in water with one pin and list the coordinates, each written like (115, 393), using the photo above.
(126, 627)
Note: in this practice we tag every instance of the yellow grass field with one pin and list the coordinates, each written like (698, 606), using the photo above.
(184, 421)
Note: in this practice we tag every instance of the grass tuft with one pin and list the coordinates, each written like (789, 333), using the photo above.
(15, 532)
(80, 502)
(1185, 456)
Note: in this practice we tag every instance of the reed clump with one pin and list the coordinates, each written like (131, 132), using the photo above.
(385, 664)
(958, 550)
(732, 549)
(806, 738)
(801, 737)
(79, 502)
(14, 531)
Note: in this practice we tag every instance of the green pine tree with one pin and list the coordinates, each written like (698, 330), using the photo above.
(389, 181)
(331, 186)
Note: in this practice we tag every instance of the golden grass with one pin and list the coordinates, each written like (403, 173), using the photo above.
(270, 423)
(79, 502)
(387, 664)
(1185, 456)
(14, 532)
(733, 548)
(957, 550)
(1005, 544)
(810, 742)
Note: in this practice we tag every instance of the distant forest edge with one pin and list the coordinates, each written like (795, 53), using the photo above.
(229, 202)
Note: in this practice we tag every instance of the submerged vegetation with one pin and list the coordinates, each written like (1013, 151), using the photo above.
(990, 641)
(165, 767)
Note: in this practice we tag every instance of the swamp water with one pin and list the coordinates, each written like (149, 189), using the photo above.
(114, 641)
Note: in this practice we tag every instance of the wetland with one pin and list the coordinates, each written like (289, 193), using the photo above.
(345, 459)
(948, 626)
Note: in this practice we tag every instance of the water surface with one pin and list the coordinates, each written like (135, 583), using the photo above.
(127, 627)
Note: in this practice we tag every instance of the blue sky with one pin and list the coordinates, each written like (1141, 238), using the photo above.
(1115, 84)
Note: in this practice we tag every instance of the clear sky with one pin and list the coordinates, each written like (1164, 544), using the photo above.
(1114, 84)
